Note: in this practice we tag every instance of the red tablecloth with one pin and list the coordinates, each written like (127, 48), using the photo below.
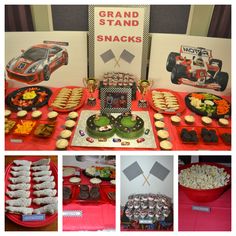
(34, 143)
(95, 217)
(99, 216)
(218, 219)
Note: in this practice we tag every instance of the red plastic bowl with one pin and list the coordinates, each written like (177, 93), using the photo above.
(17, 217)
(207, 195)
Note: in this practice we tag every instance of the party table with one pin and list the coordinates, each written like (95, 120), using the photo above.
(34, 143)
(93, 216)
(218, 219)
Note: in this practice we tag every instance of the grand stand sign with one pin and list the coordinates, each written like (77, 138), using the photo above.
(118, 39)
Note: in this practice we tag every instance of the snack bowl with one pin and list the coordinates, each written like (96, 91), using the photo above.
(205, 195)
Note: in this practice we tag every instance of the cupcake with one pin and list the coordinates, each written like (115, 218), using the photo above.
(150, 197)
(151, 204)
(73, 115)
(137, 197)
(189, 119)
(62, 144)
(52, 116)
(136, 205)
(223, 122)
(95, 181)
(22, 114)
(158, 116)
(166, 145)
(144, 197)
(159, 125)
(69, 124)
(206, 120)
(128, 213)
(175, 120)
(143, 214)
(150, 214)
(162, 134)
(36, 114)
(74, 180)
(65, 134)
(130, 205)
(7, 113)
(144, 205)
(131, 198)
(136, 214)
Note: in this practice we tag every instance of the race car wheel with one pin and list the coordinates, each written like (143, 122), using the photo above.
(171, 61)
(216, 61)
(65, 59)
(179, 71)
(46, 73)
(222, 79)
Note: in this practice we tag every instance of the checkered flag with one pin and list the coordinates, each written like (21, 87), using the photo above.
(107, 56)
(159, 171)
(133, 171)
(127, 56)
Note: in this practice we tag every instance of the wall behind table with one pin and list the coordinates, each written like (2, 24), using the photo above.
(67, 75)
(136, 185)
(163, 44)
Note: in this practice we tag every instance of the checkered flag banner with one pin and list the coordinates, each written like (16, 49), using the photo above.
(159, 171)
(107, 56)
(127, 56)
(133, 171)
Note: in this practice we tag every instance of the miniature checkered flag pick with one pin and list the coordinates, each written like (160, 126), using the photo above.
(127, 56)
(107, 56)
(133, 171)
(159, 171)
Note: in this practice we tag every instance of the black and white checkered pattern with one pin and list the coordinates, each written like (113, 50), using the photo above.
(113, 90)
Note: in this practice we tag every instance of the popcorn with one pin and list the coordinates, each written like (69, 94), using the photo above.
(203, 177)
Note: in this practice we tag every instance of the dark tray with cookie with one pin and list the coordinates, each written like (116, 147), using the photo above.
(88, 193)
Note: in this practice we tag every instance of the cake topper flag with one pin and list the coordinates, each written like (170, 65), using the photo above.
(133, 171)
(159, 171)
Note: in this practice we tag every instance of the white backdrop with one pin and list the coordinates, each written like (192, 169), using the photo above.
(71, 74)
(136, 185)
(163, 44)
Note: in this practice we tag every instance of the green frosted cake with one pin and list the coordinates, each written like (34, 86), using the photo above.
(129, 126)
(101, 126)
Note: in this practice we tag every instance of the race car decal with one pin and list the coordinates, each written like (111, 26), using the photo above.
(195, 51)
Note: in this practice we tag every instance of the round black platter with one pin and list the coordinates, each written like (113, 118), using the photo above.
(93, 176)
(35, 104)
(203, 113)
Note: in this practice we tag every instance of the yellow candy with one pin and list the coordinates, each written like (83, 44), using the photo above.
(25, 127)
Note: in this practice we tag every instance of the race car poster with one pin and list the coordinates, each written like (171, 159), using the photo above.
(52, 59)
(118, 39)
(191, 63)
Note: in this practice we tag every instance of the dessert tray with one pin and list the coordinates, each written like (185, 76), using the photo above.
(28, 98)
(81, 141)
(92, 193)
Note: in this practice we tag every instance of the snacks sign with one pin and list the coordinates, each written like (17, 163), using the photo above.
(118, 39)
(117, 19)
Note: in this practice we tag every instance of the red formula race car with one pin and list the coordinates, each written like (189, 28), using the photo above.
(38, 62)
(195, 66)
